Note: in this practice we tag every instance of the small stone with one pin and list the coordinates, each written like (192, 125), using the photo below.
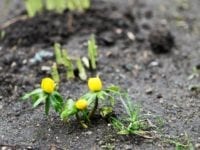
(131, 36)
(149, 90)
(45, 68)
(88, 133)
(13, 64)
(154, 64)
(118, 31)
(24, 61)
(128, 147)
(5, 148)
(197, 145)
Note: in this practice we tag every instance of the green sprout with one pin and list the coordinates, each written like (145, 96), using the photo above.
(81, 69)
(46, 94)
(183, 143)
(92, 52)
(132, 123)
(58, 53)
(33, 6)
(55, 74)
(58, 5)
(67, 62)
(2, 34)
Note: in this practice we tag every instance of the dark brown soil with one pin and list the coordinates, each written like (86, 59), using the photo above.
(159, 83)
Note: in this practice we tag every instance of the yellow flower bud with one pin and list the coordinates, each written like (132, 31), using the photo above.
(81, 104)
(95, 84)
(48, 85)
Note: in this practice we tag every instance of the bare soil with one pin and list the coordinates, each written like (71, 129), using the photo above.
(158, 82)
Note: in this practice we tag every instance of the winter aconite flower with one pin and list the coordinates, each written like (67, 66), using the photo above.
(95, 84)
(48, 85)
(81, 104)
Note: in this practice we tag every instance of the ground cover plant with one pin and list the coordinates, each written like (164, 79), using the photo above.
(156, 76)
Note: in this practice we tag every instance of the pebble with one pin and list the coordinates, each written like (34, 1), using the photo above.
(45, 68)
(5, 148)
(128, 147)
(88, 133)
(154, 64)
(131, 36)
(197, 145)
(149, 90)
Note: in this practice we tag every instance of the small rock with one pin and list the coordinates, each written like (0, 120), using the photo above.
(154, 64)
(45, 68)
(88, 133)
(197, 145)
(161, 39)
(149, 90)
(5, 148)
(131, 36)
(13, 64)
(128, 147)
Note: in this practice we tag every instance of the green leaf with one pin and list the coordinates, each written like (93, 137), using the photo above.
(67, 62)
(90, 97)
(105, 111)
(113, 88)
(81, 69)
(55, 74)
(57, 96)
(57, 105)
(50, 4)
(33, 6)
(102, 95)
(123, 132)
(69, 109)
(39, 100)
(47, 106)
(92, 51)
(58, 53)
(34, 92)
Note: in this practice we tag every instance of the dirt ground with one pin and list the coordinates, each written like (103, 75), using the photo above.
(158, 82)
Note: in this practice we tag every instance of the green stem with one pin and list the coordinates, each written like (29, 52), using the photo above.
(80, 121)
(94, 108)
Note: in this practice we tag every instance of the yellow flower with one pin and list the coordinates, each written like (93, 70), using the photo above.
(81, 104)
(95, 84)
(48, 85)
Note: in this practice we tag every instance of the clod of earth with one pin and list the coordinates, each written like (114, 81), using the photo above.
(161, 39)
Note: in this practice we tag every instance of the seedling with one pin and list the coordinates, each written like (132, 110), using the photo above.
(2, 34)
(62, 58)
(55, 74)
(92, 52)
(81, 69)
(67, 62)
(58, 5)
(132, 123)
(33, 6)
(58, 53)
(195, 72)
(46, 94)
(183, 143)
(85, 108)
(78, 5)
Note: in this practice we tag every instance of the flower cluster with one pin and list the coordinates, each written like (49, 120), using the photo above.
(84, 108)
